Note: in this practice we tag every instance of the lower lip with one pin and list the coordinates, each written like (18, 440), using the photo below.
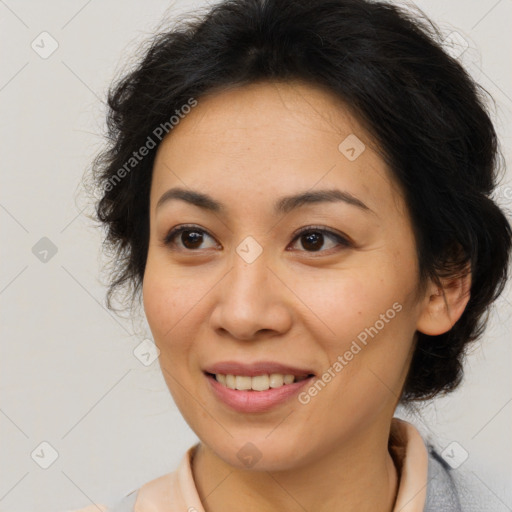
(255, 401)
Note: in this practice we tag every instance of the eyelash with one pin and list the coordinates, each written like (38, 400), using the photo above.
(344, 242)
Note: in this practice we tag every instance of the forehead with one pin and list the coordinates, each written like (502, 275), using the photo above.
(262, 109)
(271, 138)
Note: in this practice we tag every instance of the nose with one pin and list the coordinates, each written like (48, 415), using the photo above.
(251, 302)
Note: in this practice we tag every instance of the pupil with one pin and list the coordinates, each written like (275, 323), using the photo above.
(191, 236)
(312, 240)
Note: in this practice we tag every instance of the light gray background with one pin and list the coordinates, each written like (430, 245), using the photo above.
(68, 373)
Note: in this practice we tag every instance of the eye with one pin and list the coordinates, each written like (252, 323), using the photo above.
(191, 237)
(312, 238)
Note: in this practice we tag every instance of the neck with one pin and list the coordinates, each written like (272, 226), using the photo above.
(360, 477)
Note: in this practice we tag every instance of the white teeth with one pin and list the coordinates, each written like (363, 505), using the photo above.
(288, 379)
(230, 381)
(276, 380)
(258, 383)
(242, 383)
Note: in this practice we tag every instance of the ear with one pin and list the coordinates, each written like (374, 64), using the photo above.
(444, 305)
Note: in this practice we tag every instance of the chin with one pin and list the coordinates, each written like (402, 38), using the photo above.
(260, 454)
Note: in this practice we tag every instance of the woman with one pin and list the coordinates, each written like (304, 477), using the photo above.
(300, 192)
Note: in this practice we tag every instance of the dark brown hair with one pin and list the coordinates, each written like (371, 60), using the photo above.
(422, 108)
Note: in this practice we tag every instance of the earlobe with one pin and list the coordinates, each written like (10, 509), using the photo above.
(443, 306)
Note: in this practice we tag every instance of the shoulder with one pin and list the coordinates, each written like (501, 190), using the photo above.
(451, 490)
(442, 492)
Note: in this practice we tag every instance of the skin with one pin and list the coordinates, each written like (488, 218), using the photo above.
(246, 148)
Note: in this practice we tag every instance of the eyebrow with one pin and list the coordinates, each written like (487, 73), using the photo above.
(283, 205)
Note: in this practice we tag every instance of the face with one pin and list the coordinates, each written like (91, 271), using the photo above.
(245, 281)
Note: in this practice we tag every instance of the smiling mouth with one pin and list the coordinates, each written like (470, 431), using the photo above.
(257, 383)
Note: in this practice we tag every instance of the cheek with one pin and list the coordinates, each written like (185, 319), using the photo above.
(166, 295)
(171, 291)
(365, 319)
(172, 306)
(164, 303)
(164, 308)
(157, 304)
(345, 303)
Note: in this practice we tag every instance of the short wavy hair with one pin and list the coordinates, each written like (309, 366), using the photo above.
(428, 118)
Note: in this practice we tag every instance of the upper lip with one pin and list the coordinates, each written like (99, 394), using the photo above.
(256, 368)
